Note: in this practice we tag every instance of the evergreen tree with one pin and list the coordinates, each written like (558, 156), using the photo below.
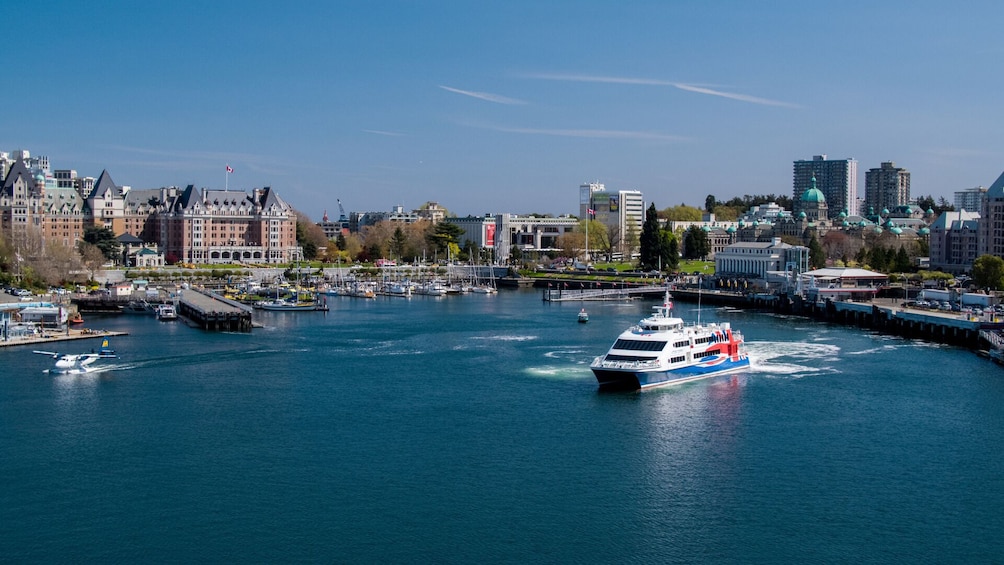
(902, 261)
(710, 203)
(397, 243)
(817, 257)
(650, 241)
(104, 239)
(695, 243)
(445, 237)
(674, 252)
(878, 259)
(862, 256)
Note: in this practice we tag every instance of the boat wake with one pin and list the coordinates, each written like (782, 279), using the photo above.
(780, 358)
(561, 372)
(506, 338)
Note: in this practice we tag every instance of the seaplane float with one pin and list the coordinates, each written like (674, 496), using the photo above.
(80, 363)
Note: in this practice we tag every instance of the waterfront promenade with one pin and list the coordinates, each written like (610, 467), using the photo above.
(886, 315)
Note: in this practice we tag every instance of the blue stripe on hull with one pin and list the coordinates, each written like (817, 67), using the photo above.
(649, 379)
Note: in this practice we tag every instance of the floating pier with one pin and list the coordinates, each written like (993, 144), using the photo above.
(213, 312)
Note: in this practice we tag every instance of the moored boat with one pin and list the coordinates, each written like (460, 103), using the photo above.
(662, 350)
(167, 312)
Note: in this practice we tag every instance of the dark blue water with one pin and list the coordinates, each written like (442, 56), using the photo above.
(469, 429)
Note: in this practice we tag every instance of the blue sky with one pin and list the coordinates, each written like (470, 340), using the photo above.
(505, 106)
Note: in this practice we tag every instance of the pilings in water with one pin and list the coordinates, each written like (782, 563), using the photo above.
(213, 312)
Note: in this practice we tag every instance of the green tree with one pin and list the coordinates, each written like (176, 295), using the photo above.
(817, 257)
(695, 243)
(709, 203)
(104, 239)
(902, 261)
(988, 272)
(669, 251)
(444, 237)
(878, 258)
(862, 256)
(650, 241)
(397, 243)
(681, 213)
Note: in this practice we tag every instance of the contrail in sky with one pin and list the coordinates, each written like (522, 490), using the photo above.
(657, 82)
(487, 96)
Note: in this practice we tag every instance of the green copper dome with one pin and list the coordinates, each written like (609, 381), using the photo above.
(813, 194)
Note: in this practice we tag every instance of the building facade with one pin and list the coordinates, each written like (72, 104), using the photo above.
(529, 234)
(197, 226)
(836, 179)
(621, 211)
(970, 199)
(954, 241)
(991, 241)
(887, 187)
(758, 259)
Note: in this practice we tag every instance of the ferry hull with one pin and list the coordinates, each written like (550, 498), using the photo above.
(613, 379)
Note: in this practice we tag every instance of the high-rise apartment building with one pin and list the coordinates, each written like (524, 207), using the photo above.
(836, 179)
(886, 187)
(970, 199)
(621, 211)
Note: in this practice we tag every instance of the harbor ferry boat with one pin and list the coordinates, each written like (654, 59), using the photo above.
(663, 350)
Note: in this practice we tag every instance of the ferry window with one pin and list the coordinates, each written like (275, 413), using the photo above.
(627, 358)
(632, 345)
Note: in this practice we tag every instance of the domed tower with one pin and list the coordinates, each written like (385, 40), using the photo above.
(814, 203)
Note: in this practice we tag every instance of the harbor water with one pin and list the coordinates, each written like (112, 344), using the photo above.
(469, 429)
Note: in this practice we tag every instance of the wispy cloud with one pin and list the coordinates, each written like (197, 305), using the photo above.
(381, 132)
(487, 96)
(589, 133)
(699, 89)
(202, 160)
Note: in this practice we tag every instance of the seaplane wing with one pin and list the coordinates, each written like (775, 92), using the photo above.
(52, 354)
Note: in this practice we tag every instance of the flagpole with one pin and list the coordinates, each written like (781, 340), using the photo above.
(226, 185)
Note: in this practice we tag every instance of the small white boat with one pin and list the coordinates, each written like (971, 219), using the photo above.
(167, 312)
(281, 305)
(583, 316)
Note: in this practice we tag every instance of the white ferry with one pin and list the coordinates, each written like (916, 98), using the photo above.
(662, 350)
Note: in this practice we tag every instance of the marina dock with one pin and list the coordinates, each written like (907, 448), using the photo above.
(213, 312)
(562, 294)
(51, 335)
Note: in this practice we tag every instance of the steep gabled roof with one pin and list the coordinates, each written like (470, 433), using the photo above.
(104, 184)
(996, 190)
(17, 170)
(186, 198)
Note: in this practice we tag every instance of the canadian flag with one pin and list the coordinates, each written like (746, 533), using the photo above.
(229, 169)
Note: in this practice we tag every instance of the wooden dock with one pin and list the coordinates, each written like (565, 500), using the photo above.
(213, 312)
(561, 294)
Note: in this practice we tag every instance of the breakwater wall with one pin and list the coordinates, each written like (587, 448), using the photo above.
(883, 315)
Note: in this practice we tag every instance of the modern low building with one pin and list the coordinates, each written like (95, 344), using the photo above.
(529, 234)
